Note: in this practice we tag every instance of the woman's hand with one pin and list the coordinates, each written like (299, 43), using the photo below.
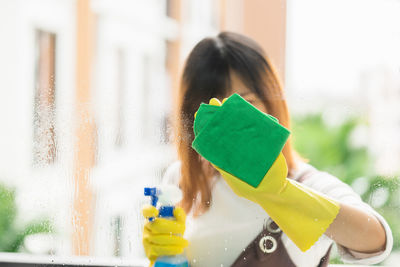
(273, 183)
(163, 237)
(245, 146)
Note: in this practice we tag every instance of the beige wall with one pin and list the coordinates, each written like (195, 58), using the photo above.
(262, 20)
(84, 148)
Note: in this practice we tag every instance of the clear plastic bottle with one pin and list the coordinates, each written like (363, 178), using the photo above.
(167, 196)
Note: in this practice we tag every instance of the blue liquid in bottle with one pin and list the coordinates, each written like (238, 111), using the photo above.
(172, 261)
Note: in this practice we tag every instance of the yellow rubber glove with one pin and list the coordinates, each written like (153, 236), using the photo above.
(302, 214)
(163, 237)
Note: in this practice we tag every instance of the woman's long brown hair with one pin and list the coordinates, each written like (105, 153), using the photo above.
(207, 74)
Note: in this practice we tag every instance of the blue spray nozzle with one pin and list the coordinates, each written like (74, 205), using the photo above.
(166, 195)
(153, 193)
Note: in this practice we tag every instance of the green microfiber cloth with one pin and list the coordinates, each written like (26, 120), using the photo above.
(238, 138)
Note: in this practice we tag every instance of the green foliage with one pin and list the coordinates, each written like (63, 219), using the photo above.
(7, 217)
(329, 148)
(11, 237)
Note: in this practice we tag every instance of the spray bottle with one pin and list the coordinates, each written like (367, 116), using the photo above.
(167, 196)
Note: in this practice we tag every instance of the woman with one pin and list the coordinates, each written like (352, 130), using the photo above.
(222, 227)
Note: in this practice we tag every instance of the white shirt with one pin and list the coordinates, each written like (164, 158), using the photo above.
(217, 237)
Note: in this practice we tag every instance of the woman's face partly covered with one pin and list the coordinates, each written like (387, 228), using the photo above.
(241, 89)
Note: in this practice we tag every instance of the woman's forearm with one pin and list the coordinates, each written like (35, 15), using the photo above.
(357, 230)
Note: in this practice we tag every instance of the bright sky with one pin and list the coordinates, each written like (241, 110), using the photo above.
(330, 42)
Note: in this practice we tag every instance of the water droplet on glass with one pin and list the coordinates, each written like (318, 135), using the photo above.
(379, 197)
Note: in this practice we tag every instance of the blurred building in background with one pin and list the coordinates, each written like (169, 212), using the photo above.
(87, 101)
(37, 103)
(88, 90)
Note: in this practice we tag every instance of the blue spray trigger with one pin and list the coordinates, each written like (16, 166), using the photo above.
(152, 192)
(165, 195)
